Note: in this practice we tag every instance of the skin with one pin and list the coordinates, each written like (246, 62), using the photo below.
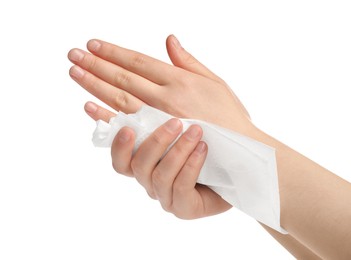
(315, 203)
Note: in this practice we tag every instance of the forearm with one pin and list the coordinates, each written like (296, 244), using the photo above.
(315, 203)
(295, 248)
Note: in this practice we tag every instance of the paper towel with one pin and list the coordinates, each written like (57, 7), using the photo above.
(241, 170)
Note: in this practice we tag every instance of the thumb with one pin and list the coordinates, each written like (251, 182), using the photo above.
(183, 59)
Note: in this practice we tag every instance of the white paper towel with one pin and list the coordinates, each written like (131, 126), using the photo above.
(241, 170)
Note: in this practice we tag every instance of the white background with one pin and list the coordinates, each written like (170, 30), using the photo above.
(288, 61)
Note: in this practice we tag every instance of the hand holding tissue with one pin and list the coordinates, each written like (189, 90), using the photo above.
(241, 170)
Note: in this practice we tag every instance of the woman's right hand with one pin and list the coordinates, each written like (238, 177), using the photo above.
(171, 179)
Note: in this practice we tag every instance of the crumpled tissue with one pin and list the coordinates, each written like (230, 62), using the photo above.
(241, 170)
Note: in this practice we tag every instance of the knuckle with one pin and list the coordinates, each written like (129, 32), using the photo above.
(179, 189)
(117, 167)
(121, 100)
(121, 78)
(158, 137)
(112, 52)
(138, 60)
(189, 166)
(158, 179)
(135, 166)
(179, 215)
(151, 195)
(178, 149)
(179, 212)
(167, 207)
(184, 213)
(91, 62)
(92, 82)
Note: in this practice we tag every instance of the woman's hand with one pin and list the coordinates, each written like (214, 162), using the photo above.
(126, 79)
(172, 179)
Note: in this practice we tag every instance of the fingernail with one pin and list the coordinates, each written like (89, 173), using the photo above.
(192, 133)
(90, 107)
(201, 147)
(76, 72)
(176, 43)
(76, 55)
(173, 125)
(123, 136)
(94, 45)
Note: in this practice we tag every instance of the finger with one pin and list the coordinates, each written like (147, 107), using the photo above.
(97, 112)
(187, 177)
(114, 75)
(183, 59)
(121, 151)
(114, 97)
(205, 201)
(145, 66)
(169, 167)
(151, 151)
